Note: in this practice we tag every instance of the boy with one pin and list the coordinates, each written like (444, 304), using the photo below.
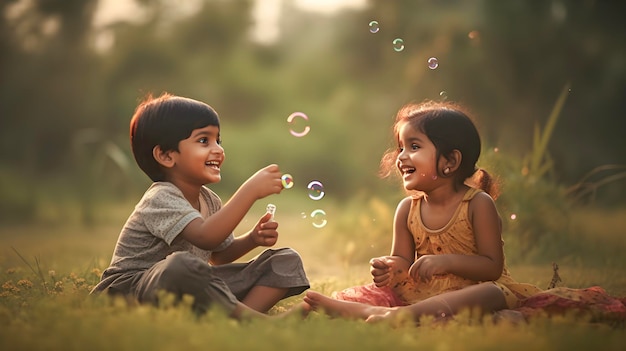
(179, 236)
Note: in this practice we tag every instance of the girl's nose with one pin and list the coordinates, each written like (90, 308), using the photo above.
(401, 155)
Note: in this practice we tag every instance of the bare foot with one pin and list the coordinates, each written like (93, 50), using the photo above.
(339, 308)
(301, 310)
(243, 312)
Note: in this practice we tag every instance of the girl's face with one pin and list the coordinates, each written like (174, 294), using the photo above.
(417, 160)
(200, 157)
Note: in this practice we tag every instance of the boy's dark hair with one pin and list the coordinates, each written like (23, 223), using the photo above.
(165, 121)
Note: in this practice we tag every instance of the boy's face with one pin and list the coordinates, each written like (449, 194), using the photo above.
(199, 158)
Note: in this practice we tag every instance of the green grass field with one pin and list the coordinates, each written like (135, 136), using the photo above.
(68, 258)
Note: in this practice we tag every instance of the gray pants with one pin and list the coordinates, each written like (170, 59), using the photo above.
(183, 273)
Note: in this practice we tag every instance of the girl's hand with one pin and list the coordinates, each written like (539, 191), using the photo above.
(264, 182)
(265, 232)
(382, 269)
(428, 266)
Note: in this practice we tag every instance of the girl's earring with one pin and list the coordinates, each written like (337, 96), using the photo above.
(446, 170)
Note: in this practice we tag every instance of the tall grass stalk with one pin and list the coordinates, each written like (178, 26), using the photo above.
(538, 162)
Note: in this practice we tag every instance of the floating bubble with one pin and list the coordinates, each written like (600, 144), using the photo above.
(398, 44)
(316, 190)
(443, 95)
(302, 215)
(495, 149)
(433, 63)
(374, 27)
(292, 122)
(513, 216)
(319, 218)
(473, 34)
(287, 180)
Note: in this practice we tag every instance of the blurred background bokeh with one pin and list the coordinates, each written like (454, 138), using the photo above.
(546, 81)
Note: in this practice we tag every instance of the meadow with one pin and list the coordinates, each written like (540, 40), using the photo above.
(47, 270)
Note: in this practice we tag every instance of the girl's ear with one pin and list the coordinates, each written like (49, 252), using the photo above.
(452, 162)
(164, 158)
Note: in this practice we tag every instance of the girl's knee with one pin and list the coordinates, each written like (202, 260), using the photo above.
(494, 295)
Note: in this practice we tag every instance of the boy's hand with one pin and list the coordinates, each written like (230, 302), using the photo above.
(264, 182)
(265, 232)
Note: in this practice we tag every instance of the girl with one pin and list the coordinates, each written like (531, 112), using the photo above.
(447, 250)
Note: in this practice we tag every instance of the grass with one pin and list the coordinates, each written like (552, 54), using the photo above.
(46, 271)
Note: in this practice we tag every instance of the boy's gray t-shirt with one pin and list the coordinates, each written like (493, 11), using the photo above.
(151, 231)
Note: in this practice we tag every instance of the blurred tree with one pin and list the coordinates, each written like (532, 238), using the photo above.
(505, 60)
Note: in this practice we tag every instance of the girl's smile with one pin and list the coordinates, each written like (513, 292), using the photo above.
(417, 158)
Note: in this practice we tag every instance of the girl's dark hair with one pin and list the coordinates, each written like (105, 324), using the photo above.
(165, 121)
(449, 127)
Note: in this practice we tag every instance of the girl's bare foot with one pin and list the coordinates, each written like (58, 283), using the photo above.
(339, 308)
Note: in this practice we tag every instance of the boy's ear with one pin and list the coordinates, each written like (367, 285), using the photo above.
(164, 158)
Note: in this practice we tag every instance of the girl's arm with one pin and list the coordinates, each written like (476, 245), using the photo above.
(402, 249)
(403, 245)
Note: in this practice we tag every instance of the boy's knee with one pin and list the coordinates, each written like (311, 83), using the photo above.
(179, 269)
(286, 261)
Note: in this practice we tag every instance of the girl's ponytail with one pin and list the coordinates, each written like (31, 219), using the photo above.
(486, 182)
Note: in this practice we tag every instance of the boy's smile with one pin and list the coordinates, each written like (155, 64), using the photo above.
(200, 157)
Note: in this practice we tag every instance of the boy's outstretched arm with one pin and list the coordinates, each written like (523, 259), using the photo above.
(208, 233)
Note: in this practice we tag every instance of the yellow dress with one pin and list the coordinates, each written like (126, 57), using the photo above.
(456, 237)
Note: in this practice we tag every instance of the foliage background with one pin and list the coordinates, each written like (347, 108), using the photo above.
(69, 86)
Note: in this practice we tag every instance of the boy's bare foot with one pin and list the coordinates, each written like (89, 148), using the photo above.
(301, 310)
(339, 308)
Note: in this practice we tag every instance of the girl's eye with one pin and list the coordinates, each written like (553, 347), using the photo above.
(204, 140)
(219, 141)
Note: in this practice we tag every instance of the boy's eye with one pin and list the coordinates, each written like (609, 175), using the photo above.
(219, 141)
(414, 147)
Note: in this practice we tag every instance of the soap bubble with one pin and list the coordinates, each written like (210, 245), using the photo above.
(319, 218)
(292, 122)
(433, 63)
(287, 180)
(374, 27)
(316, 190)
(398, 44)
